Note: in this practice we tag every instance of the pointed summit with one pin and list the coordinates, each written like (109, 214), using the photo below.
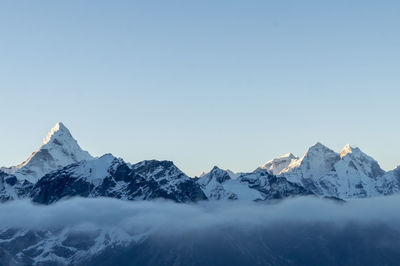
(59, 149)
(57, 131)
(346, 150)
(316, 162)
(318, 147)
(320, 152)
(217, 174)
(352, 150)
(215, 168)
(359, 163)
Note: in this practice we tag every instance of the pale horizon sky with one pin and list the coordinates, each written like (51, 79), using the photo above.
(227, 83)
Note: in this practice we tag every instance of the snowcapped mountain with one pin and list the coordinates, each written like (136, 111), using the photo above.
(350, 174)
(109, 176)
(231, 174)
(276, 166)
(59, 149)
(61, 169)
(216, 174)
(354, 161)
(316, 162)
(218, 185)
(355, 175)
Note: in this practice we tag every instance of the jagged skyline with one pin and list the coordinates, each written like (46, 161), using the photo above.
(59, 134)
(202, 83)
(61, 168)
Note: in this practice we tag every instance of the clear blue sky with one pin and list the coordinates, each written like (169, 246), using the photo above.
(202, 83)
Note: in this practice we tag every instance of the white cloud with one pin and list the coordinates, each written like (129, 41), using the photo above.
(168, 217)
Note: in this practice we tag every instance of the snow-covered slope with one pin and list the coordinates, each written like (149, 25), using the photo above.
(71, 245)
(389, 183)
(109, 176)
(219, 185)
(59, 149)
(355, 175)
(354, 161)
(11, 188)
(260, 185)
(350, 174)
(316, 162)
(276, 166)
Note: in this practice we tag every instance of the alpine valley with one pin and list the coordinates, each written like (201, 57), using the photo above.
(60, 171)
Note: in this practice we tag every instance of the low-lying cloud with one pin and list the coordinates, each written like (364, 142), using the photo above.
(168, 217)
(104, 231)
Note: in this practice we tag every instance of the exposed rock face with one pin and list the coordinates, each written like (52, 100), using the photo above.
(109, 176)
(273, 187)
(259, 185)
(12, 188)
(389, 183)
(212, 183)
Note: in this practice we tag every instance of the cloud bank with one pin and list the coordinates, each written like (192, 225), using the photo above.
(170, 217)
(104, 231)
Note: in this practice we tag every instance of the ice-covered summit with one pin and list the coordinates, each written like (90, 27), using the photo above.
(59, 131)
(276, 165)
(352, 173)
(316, 162)
(59, 149)
(354, 162)
(346, 150)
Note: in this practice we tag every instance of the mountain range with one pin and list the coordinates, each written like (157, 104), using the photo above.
(60, 169)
